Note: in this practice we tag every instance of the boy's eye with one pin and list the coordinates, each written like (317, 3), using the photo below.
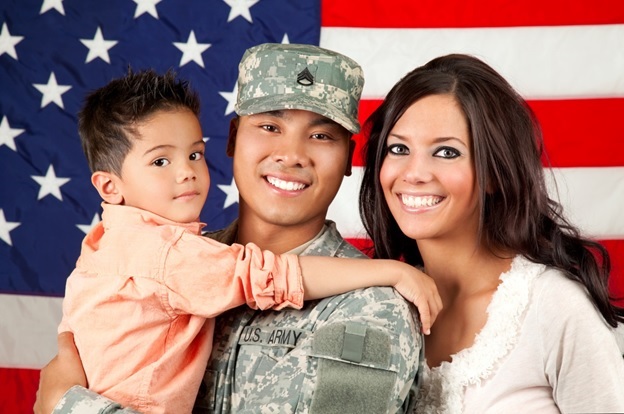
(196, 156)
(447, 152)
(160, 162)
(398, 149)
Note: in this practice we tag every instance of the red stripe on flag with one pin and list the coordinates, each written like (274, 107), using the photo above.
(577, 133)
(367, 107)
(462, 13)
(616, 281)
(19, 387)
(582, 132)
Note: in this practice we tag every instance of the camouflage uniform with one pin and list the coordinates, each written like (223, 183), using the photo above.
(353, 353)
(79, 400)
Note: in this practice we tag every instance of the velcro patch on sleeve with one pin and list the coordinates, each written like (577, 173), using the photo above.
(353, 374)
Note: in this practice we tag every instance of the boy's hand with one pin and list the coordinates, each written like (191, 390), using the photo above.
(420, 289)
(62, 372)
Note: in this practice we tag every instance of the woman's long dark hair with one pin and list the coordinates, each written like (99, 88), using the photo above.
(516, 214)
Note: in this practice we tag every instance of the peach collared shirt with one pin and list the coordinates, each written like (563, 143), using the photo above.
(143, 296)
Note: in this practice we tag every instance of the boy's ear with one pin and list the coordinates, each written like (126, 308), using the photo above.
(231, 142)
(107, 184)
(350, 160)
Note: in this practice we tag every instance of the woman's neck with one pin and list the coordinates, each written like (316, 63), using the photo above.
(462, 269)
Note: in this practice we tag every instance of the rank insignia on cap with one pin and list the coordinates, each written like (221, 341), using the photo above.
(305, 78)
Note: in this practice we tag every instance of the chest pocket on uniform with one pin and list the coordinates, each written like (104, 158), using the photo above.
(354, 370)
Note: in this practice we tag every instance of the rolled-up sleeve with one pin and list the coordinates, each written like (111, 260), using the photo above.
(79, 400)
(205, 278)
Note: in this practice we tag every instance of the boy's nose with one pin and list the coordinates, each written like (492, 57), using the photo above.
(185, 173)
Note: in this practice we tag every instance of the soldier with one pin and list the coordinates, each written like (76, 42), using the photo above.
(352, 353)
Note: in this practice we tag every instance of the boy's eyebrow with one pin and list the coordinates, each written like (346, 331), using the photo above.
(159, 147)
(156, 148)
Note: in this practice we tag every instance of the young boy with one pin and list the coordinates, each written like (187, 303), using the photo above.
(144, 269)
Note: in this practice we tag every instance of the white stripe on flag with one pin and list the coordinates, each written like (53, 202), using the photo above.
(591, 199)
(540, 62)
(28, 329)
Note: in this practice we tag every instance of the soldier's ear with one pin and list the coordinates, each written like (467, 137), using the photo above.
(350, 160)
(231, 142)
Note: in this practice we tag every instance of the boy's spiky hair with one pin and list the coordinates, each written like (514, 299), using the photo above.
(108, 119)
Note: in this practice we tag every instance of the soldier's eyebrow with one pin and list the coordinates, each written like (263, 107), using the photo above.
(322, 120)
(278, 113)
(319, 120)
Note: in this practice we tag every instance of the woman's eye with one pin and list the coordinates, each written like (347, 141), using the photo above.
(447, 152)
(161, 162)
(196, 156)
(398, 149)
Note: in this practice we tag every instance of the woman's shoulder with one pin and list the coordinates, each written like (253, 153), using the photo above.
(556, 291)
(547, 283)
(559, 303)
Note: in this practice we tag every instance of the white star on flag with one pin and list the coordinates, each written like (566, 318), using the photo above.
(146, 6)
(8, 42)
(52, 4)
(191, 50)
(86, 228)
(8, 134)
(230, 97)
(231, 192)
(285, 40)
(6, 227)
(240, 8)
(50, 184)
(52, 91)
(98, 47)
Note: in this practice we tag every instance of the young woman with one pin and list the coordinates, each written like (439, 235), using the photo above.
(454, 183)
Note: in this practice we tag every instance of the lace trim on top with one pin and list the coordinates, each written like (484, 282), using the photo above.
(443, 387)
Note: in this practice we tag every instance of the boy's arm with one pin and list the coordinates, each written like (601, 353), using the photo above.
(61, 386)
(319, 281)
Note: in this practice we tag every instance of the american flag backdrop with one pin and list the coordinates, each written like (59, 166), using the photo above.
(565, 56)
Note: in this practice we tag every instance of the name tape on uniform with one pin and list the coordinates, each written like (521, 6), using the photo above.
(254, 335)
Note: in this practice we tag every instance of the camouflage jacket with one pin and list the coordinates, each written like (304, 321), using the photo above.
(360, 352)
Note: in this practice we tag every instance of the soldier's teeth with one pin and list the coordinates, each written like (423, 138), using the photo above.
(285, 185)
(416, 202)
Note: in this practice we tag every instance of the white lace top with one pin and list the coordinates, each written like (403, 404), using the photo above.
(544, 348)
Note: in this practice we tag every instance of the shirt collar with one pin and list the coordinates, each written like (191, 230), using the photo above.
(114, 215)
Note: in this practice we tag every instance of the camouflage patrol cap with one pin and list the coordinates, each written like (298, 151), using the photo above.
(275, 76)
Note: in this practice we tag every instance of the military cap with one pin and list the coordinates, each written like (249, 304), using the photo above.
(275, 76)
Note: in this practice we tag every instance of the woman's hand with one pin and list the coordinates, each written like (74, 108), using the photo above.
(420, 289)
